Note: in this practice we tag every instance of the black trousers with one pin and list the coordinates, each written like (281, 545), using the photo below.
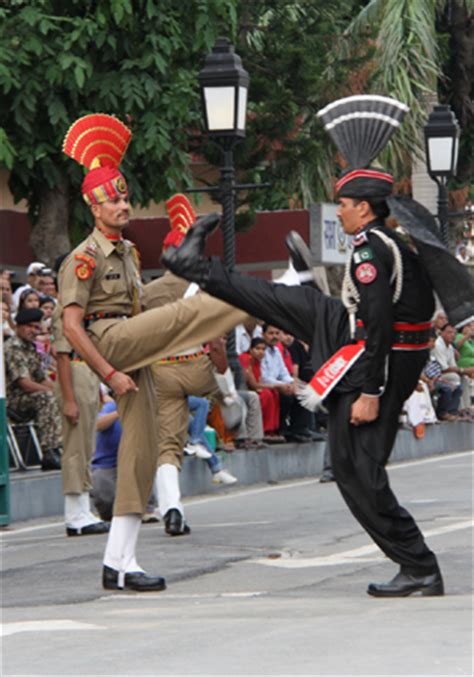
(359, 454)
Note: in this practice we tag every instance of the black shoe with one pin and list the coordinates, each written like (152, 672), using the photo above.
(187, 260)
(89, 530)
(301, 258)
(317, 437)
(51, 460)
(175, 524)
(138, 581)
(327, 476)
(405, 584)
(299, 438)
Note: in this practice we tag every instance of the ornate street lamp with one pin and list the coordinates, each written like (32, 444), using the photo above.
(442, 145)
(224, 84)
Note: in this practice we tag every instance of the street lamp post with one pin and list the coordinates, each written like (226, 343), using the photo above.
(224, 85)
(442, 145)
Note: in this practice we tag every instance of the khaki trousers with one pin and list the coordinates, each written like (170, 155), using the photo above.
(137, 342)
(173, 384)
(79, 440)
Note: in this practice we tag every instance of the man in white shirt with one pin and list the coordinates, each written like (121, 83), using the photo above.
(449, 385)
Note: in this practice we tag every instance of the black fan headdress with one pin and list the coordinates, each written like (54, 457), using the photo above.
(361, 127)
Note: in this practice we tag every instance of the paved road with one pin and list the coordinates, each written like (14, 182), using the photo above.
(270, 582)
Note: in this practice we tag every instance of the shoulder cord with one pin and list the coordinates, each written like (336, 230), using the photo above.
(350, 296)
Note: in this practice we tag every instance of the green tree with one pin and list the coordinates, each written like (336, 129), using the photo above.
(423, 51)
(137, 60)
(288, 49)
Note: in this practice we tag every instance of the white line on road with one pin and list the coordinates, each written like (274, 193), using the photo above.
(236, 494)
(366, 553)
(165, 596)
(46, 626)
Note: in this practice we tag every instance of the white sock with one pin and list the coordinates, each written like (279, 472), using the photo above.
(121, 543)
(169, 494)
(86, 508)
(76, 514)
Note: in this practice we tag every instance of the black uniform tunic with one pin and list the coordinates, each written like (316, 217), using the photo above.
(359, 453)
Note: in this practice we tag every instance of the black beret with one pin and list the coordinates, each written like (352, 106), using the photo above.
(28, 315)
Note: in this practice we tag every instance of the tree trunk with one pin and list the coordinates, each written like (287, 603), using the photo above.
(50, 237)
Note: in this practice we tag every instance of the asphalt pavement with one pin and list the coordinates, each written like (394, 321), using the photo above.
(271, 581)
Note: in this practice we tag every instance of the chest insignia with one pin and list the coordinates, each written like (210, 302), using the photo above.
(113, 276)
(364, 254)
(360, 239)
(366, 273)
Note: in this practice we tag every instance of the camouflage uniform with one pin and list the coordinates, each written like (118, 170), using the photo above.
(22, 361)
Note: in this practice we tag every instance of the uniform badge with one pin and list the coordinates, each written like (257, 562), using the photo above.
(121, 185)
(366, 273)
(83, 271)
(360, 239)
(364, 254)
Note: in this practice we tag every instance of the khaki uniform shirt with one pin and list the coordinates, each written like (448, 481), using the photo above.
(102, 276)
(21, 361)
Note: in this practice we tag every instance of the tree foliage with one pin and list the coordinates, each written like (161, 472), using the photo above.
(288, 48)
(137, 60)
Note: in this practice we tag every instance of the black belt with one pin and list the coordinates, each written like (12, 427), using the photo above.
(94, 317)
(405, 334)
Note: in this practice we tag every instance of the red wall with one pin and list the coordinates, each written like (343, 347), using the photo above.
(264, 242)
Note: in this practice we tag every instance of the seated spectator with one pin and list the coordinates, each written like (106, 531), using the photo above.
(303, 370)
(464, 343)
(439, 320)
(293, 417)
(244, 333)
(31, 280)
(46, 283)
(419, 410)
(197, 443)
(6, 291)
(45, 340)
(29, 391)
(449, 383)
(8, 328)
(269, 397)
(47, 305)
(462, 253)
(284, 345)
(29, 298)
(248, 423)
(104, 462)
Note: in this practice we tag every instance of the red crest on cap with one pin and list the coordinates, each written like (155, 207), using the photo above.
(182, 216)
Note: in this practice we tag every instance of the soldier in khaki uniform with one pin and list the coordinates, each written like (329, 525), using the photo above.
(77, 390)
(100, 293)
(177, 376)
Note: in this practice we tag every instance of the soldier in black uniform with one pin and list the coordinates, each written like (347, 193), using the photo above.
(388, 289)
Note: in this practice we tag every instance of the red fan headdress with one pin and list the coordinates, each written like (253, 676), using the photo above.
(182, 216)
(99, 142)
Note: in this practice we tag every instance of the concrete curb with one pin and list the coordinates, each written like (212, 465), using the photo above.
(35, 494)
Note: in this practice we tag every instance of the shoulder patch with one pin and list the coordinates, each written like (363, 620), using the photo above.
(363, 254)
(366, 273)
(83, 272)
(86, 259)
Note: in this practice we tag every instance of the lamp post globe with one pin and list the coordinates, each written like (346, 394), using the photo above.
(441, 146)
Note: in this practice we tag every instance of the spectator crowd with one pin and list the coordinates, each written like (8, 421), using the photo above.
(258, 406)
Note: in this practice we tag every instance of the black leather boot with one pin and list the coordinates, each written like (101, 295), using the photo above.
(406, 584)
(51, 460)
(188, 260)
